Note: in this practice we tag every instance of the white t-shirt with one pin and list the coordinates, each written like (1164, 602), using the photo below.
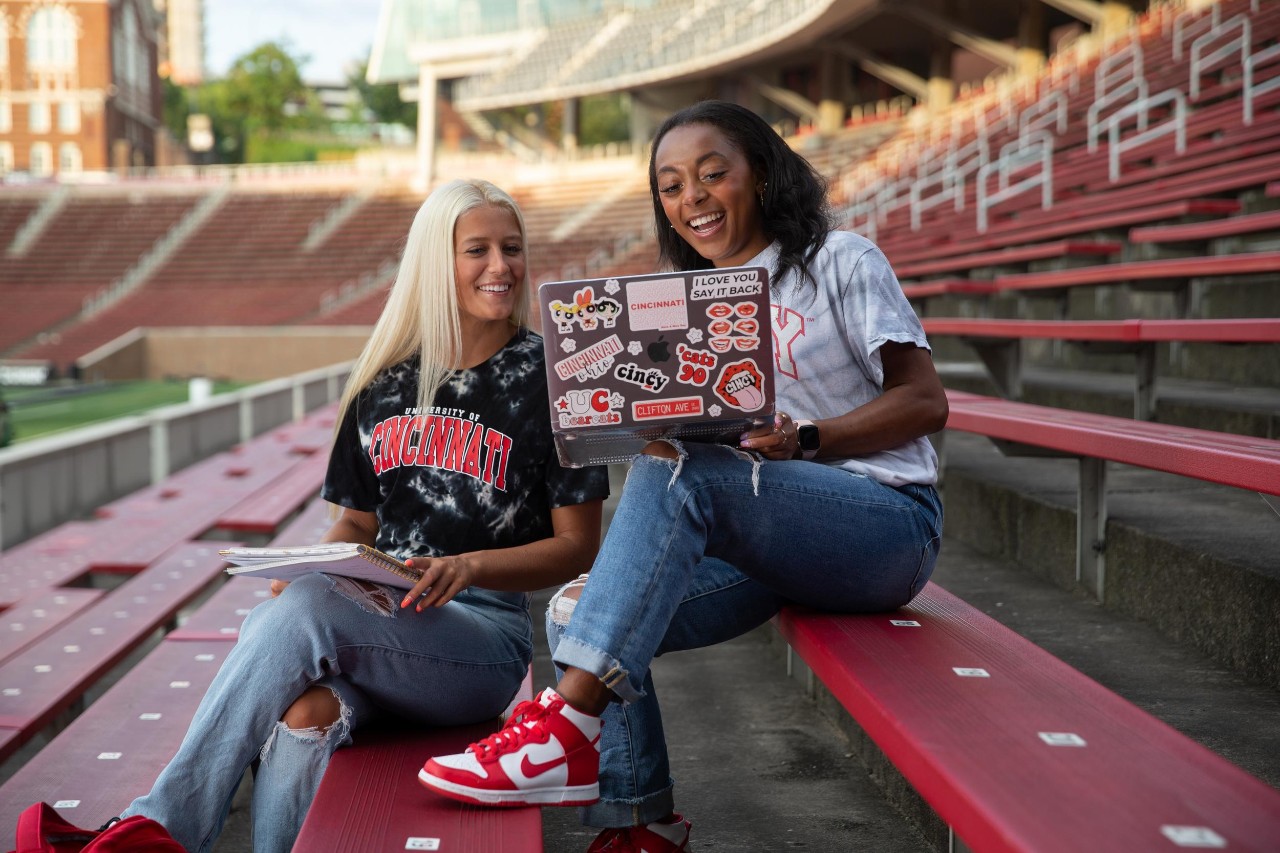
(827, 345)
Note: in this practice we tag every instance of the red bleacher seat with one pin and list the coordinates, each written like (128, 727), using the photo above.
(1028, 754)
(113, 752)
(49, 675)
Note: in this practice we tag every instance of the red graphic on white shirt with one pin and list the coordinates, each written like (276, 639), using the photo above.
(788, 326)
(441, 441)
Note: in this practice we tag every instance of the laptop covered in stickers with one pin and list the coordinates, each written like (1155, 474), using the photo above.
(685, 355)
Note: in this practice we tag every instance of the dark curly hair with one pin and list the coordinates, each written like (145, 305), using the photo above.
(795, 211)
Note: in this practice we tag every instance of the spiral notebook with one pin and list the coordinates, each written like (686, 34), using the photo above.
(337, 558)
(685, 355)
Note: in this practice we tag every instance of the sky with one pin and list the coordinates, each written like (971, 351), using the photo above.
(332, 32)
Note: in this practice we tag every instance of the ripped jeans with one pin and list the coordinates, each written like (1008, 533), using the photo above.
(705, 548)
(461, 663)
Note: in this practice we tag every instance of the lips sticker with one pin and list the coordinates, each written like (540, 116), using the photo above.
(745, 309)
(720, 327)
(721, 344)
(720, 310)
(741, 385)
(747, 327)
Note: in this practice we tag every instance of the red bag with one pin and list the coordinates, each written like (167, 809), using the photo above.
(42, 830)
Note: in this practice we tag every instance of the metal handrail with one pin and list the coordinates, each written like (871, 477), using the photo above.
(1138, 88)
(1193, 20)
(1014, 157)
(1177, 125)
(1201, 64)
(1250, 90)
(1052, 107)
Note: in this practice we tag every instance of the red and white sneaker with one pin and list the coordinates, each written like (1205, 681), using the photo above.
(655, 837)
(548, 754)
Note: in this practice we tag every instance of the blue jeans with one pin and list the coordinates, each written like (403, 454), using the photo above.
(707, 547)
(461, 663)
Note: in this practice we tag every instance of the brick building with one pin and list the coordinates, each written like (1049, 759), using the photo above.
(78, 86)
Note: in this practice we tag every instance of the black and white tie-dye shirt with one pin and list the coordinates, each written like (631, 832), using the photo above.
(477, 470)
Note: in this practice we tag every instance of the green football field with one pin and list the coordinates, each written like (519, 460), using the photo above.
(35, 412)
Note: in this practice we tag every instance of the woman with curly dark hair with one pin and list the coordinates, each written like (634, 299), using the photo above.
(834, 508)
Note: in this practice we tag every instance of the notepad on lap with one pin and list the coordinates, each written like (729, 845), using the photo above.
(337, 558)
(685, 355)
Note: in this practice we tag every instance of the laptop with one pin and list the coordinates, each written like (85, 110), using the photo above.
(685, 355)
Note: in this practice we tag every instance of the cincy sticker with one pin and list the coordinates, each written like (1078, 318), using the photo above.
(589, 407)
(695, 365)
(741, 385)
(587, 311)
(648, 378)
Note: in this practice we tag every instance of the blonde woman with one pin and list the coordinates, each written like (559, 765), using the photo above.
(443, 455)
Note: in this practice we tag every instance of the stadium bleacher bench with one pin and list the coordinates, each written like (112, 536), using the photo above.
(1011, 255)
(370, 800)
(1245, 462)
(1165, 272)
(51, 674)
(1102, 217)
(1016, 750)
(999, 344)
(33, 617)
(113, 752)
(1202, 231)
(268, 508)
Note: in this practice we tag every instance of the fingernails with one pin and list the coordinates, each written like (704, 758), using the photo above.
(406, 601)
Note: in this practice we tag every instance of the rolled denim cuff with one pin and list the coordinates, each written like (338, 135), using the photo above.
(575, 653)
(630, 812)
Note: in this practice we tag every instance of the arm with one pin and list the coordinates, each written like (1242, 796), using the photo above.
(560, 557)
(912, 405)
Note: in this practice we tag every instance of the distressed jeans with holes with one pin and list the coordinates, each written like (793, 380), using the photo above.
(707, 547)
(461, 663)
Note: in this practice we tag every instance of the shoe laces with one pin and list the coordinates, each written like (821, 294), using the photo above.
(520, 726)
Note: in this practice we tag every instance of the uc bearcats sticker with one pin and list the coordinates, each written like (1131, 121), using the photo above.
(741, 385)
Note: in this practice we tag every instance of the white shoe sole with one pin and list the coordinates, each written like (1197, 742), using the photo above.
(582, 795)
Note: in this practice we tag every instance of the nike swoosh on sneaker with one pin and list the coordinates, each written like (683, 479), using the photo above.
(530, 770)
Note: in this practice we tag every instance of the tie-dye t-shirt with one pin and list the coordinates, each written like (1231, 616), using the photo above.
(477, 470)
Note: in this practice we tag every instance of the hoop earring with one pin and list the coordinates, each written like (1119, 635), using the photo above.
(760, 194)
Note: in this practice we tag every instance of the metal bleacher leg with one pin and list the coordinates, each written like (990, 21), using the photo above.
(1091, 526)
(1003, 360)
(1144, 398)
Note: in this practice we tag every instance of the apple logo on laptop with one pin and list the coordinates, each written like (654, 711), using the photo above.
(658, 350)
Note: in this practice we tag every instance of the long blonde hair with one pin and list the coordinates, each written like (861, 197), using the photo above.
(421, 314)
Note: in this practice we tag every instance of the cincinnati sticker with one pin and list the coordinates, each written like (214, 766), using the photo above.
(589, 407)
(676, 407)
(657, 304)
(695, 365)
(587, 310)
(591, 362)
(726, 285)
(741, 385)
(650, 379)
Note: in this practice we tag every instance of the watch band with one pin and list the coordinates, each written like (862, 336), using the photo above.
(805, 429)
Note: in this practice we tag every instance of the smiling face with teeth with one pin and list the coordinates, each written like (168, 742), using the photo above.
(489, 266)
(710, 194)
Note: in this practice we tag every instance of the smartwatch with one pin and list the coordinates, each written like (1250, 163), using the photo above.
(808, 439)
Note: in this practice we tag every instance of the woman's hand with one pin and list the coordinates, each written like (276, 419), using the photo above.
(777, 440)
(442, 579)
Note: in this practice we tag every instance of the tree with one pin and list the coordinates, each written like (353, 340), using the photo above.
(262, 94)
(383, 99)
(265, 87)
